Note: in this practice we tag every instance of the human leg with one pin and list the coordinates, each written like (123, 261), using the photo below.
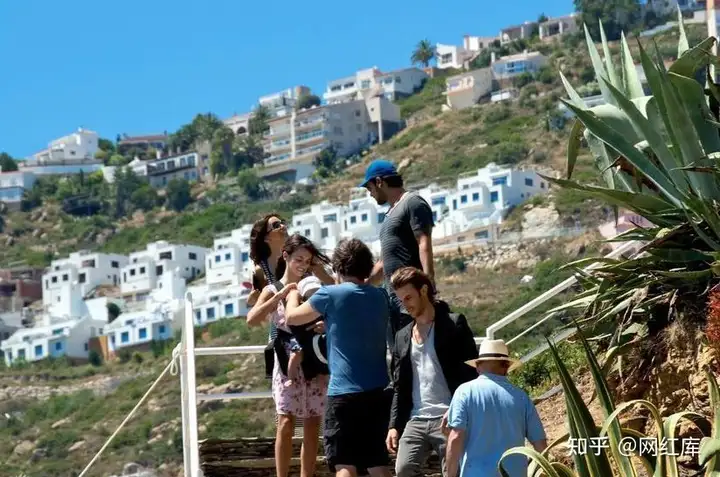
(438, 441)
(413, 449)
(283, 444)
(311, 442)
(374, 409)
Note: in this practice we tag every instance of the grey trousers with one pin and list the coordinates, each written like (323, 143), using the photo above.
(419, 438)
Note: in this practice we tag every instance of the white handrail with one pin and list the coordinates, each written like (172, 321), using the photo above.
(191, 452)
(557, 289)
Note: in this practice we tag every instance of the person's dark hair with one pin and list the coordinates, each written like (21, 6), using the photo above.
(259, 249)
(293, 244)
(415, 277)
(352, 258)
(392, 181)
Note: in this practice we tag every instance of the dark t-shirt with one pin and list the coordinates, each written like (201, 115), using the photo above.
(398, 242)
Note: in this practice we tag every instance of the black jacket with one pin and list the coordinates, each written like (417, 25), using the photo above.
(454, 344)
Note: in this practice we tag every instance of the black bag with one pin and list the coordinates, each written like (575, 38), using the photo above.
(269, 351)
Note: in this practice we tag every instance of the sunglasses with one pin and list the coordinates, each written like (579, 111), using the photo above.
(277, 225)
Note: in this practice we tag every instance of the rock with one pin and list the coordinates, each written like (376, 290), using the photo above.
(23, 448)
(37, 455)
(404, 164)
(61, 423)
(541, 220)
(77, 446)
(9, 242)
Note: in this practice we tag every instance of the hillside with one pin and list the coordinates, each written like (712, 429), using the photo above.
(55, 417)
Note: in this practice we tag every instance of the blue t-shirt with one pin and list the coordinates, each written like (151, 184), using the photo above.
(356, 318)
(496, 416)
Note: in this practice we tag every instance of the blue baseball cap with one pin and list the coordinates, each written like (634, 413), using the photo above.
(379, 168)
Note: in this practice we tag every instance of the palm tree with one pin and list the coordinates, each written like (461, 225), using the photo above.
(423, 54)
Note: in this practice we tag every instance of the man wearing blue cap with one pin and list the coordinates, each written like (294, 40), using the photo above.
(405, 234)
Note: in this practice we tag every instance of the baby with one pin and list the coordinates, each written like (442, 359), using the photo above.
(306, 287)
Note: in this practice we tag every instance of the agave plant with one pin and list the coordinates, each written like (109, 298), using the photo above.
(614, 458)
(658, 157)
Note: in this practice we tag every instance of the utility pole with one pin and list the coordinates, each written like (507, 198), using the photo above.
(712, 30)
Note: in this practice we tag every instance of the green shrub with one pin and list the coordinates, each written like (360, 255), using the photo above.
(124, 355)
(94, 358)
(138, 358)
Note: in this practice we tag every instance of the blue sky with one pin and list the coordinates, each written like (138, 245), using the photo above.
(141, 67)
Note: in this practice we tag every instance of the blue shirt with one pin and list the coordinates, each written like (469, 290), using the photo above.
(496, 416)
(356, 318)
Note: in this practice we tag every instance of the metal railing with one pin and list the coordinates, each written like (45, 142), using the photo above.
(186, 352)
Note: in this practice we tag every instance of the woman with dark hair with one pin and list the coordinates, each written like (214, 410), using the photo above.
(305, 398)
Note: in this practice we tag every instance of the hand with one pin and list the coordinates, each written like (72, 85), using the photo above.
(318, 327)
(444, 424)
(287, 289)
(391, 442)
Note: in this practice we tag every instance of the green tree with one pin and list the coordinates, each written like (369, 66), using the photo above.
(616, 16)
(423, 53)
(251, 184)
(102, 156)
(125, 183)
(542, 18)
(117, 160)
(307, 101)
(222, 150)
(258, 123)
(248, 151)
(178, 194)
(202, 128)
(7, 163)
(144, 198)
(106, 145)
(326, 163)
(113, 311)
(94, 358)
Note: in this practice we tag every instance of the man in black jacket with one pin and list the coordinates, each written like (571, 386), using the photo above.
(428, 365)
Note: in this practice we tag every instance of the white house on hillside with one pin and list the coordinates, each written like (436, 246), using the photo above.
(145, 267)
(230, 256)
(465, 90)
(214, 302)
(13, 186)
(70, 154)
(321, 223)
(370, 82)
(87, 269)
(64, 330)
(507, 67)
(483, 197)
(153, 319)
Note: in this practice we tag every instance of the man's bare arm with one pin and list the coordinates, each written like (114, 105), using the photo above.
(426, 254)
(540, 445)
(376, 275)
(455, 447)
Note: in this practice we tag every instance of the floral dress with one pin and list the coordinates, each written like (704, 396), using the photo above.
(303, 398)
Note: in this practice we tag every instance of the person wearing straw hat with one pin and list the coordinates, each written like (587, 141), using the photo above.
(488, 416)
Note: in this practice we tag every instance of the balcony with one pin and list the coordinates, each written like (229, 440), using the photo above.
(312, 135)
(312, 149)
(310, 121)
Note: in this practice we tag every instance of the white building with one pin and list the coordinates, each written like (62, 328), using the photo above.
(13, 185)
(9, 323)
(457, 57)
(144, 269)
(239, 123)
(465, 90)
(559, 26)
(518, 32)
(65, 329)
(70, 154)
(372, 82)
(482, 198)
(87, 269)
(214, 302)
(283, 102)
(508, 67)
(296, 139)
(153, 319)
(230, 256)
(190, 166)
(321, 223)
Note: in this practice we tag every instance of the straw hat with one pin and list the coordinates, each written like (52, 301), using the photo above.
(493, 350)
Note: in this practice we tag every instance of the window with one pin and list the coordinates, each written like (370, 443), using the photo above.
(229, 309)
(364, 84)
(494, 196)
(132, 272)
(166, 256)
(330, 218)
(454, 204)
(475, 196)
(88, 264)
(161, 329)
(21, 354)
(124, 337)
(210, 313)
(58, 331)
(58, 346)
(324, 232)
(398, 79)
(244, 256)
(381, 217)
(114, 264)
(353, 219)
(142, 270)
(542, 185)
(192, 256)
(528, 181)
(227, 257)
(125, 276)
(217, 258)
(499, 180)
(38, 351)
(307, 232)
(86, 347)
(463, 199)
(438, 200)
(81, 278)
(338, 130)
(159, 270)
(142, 333)
(65, 278)
(364, 217)
(198, 316)
(483, 234)
(54, 279)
